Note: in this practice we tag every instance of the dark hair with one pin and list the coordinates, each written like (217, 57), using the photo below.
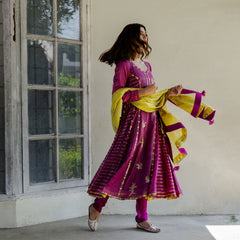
(127, 46)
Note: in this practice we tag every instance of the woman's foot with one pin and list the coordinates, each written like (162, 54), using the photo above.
(146, 226)
(93, 217)
(94, 214)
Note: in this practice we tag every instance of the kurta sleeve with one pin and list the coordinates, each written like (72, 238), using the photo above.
(122, 72)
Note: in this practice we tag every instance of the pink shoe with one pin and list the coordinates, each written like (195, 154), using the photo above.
(152, 228)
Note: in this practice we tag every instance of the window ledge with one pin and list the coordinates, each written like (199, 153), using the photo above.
(5, 197)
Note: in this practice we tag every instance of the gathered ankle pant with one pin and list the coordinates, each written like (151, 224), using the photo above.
(141, 207)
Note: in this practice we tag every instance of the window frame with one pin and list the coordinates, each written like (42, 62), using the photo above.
(85, 53)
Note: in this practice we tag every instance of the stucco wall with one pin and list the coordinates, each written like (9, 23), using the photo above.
(2, 159)
(43, 207)
(195, 43)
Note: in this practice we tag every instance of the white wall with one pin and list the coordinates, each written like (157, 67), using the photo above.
(43, 207)
(195, 43)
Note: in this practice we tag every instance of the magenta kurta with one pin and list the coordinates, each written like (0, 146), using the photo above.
(138, 163)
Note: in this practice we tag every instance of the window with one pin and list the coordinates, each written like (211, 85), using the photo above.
(54, 94)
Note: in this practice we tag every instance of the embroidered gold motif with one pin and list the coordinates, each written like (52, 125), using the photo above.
(147, 179)
(144, 124)
(142, 142)
(132, 188)
(139, 166)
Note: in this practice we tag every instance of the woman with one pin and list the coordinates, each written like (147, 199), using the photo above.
(137, 165)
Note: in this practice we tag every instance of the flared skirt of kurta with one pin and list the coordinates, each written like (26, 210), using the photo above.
(138, 163)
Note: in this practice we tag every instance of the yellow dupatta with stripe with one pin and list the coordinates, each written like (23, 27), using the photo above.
(190, 101)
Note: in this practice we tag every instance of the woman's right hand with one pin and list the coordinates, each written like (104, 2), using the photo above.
(149, 90)
(175, 91)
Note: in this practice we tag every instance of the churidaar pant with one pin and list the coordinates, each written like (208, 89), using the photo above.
(141, 207)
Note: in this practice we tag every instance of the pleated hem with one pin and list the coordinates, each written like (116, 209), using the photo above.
(149, 196)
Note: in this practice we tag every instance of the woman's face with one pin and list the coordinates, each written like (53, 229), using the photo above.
(143, 35)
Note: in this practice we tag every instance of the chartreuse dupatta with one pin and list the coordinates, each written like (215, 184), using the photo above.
(190, 101)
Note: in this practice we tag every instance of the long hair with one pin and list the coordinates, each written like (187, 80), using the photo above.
(127, 46)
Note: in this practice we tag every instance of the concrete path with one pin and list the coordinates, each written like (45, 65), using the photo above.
(122, 227)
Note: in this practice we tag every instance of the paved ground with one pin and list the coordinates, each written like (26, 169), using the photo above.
(116, 227)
